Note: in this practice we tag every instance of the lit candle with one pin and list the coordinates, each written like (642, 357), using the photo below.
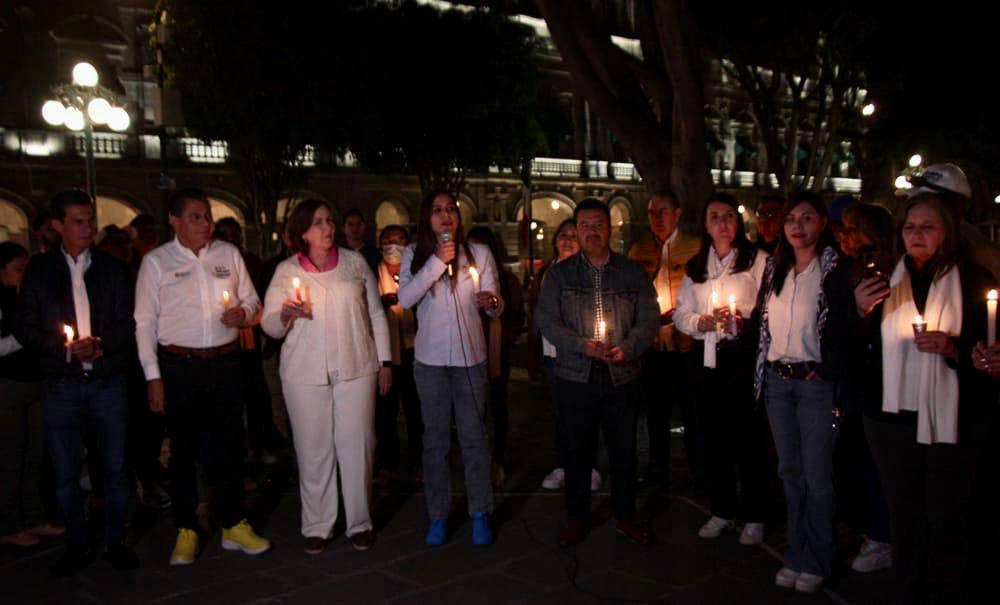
(732, 311)
(991, 318)
(297, 286)
(715, 305)
(475, 278)
(602, 330)
(68, 331)
(919, 325)
(225, 299)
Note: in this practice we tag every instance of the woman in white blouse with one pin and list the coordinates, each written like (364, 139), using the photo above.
(449, 280)
(324, 301)
(725, 274)
(798, 323)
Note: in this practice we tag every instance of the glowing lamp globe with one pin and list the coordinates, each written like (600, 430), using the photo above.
(54, 113)
(74, 119)
(118, 119)
(84, 74)
(99, 110)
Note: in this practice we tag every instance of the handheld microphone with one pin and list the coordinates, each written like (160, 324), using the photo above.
(445, 238)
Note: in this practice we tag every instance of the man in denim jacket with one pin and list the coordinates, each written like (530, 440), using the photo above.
(599, 310)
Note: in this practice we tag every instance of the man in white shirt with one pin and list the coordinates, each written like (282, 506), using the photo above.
(74, 315)
(192, 295)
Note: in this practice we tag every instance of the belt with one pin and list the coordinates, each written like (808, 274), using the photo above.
(788, 371)
(209, 353)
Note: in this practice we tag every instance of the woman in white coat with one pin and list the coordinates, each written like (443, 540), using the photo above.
(324, 301)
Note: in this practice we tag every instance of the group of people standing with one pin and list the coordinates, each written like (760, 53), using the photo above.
(776, 342)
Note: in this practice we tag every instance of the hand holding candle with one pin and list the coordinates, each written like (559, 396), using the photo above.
(732, 313)
(68, 331)
(714, 300)
(226, 298)
(991, 318)
(297, 288)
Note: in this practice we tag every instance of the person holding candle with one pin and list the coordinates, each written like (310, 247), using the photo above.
(501, 334)
(798, 327)
(734, 429)
(663, 254)
(929, 414)
(335, 356)
(188, 339)
(402, 334)
(598, 309)
(80, 287)
(450, 367)
(867, 238)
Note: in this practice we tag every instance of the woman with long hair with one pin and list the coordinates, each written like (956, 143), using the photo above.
(449, 281)
(929, 414)
(324, 301)
(724, 274)
(800, 356)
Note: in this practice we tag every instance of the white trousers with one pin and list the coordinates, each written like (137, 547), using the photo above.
(333, 426)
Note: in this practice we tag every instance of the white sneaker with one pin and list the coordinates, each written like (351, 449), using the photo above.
(873, 556)
(753, 534)
(714, 527)
(807, 582)
(595, 480)
(555, 479)
(786, 578)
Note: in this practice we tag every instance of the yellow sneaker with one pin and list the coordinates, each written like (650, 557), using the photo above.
(242, 537)
(186, 548)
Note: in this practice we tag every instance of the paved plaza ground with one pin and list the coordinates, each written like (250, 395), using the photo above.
(524, 566)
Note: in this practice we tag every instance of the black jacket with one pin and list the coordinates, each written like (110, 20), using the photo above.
(19, 366)
(46, 304)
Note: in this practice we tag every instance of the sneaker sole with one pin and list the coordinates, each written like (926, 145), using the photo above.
(230, 545)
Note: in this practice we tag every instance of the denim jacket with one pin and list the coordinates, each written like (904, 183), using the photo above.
(566, 314)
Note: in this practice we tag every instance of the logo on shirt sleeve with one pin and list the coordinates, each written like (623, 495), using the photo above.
(222, 272)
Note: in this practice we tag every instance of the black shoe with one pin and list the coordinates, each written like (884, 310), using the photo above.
(72, 561)
(121, 557)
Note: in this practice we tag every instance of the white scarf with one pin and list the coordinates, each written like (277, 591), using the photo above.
(912, 380)
(717, 268)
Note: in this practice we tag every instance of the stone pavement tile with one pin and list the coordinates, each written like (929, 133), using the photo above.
(726, 589)
(370, 587)
(298, 575)
(548, 568)
(254, 587)
(456, 559)
(565, 594)
(482, 588)
(615, 586)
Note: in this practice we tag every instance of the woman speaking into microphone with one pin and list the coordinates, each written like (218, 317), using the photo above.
(449, 280)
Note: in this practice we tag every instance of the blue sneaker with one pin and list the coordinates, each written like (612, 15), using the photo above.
(437, 534)
(482, 535)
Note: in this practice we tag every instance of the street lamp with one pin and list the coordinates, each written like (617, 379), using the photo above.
(80, 105)
(868, 110)
(916, 160)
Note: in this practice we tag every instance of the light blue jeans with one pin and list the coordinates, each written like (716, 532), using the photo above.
(801, 416)
(443, 389)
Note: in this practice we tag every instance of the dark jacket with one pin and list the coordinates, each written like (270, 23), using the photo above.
(46, 304)
(19, 366)
(565, 314)
(977, 392)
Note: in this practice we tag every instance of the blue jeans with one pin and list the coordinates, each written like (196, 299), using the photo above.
(442, 389)
(801, 416)
(68, 405)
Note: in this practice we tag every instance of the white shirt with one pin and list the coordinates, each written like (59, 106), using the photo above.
(178, 298)
(695, 300)
(448, 335)
(347, 335)
(791, 317)
(81, 302)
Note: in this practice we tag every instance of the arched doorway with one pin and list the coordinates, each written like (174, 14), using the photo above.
(225, 209)
(548, 210)
(391, 212)
(621, 219)
(113, 211)
(467, 209)
(13, 223)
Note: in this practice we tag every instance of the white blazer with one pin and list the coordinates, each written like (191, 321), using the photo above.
(360, 331)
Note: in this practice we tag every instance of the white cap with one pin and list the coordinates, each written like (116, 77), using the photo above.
(939, 178)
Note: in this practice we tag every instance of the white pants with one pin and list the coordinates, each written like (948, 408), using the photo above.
(333, 425)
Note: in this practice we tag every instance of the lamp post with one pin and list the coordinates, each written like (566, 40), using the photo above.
(82, 104)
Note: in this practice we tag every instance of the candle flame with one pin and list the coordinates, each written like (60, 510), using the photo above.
(992, 295)
(225, 296)
(68, 331)
(732, 299)
(296, 282)
(715, 299)
(602, 325)
(918, 319)
(473, 272)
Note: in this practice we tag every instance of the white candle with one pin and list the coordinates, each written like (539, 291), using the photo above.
(602, 330)
(991, 318)
(68, 331)
(732, 311)
(919, 325)
(225, 299)
(715, 305)
(475, 278)
(297, 287)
